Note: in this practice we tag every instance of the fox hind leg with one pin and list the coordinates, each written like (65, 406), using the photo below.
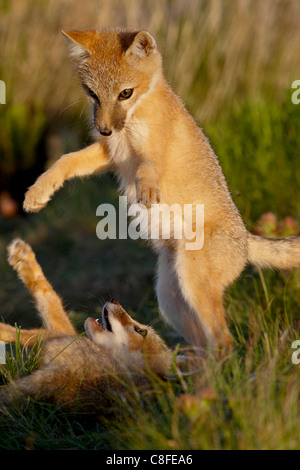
(172, 305)
(49, 305)
(190, 302)
(202, 285)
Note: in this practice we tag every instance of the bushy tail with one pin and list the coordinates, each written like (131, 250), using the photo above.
(272, 253)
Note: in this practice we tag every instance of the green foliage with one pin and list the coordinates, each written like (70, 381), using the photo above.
(19, 360)
(258, 146)
(22, 129)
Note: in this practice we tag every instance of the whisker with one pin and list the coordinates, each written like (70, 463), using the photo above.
(137, 133)
(151, 124)
(69, 106)
(83, 108)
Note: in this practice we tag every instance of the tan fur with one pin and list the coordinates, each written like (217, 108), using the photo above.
(78, 371)
(160, 155)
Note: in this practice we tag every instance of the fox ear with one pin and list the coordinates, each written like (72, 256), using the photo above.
(80, 42)
(142, 46)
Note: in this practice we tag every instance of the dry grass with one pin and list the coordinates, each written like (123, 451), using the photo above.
(214, 49)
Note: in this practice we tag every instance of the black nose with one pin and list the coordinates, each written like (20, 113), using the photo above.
(114, 301)
(105, 132)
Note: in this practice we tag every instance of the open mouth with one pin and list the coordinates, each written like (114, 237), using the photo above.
(93, 325)
(97, 321)
(105, 319)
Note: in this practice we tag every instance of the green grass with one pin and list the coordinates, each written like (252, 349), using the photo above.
(258, 146)
(249, 400)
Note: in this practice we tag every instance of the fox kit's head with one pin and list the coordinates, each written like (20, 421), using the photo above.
(117, 69)
(127, 339)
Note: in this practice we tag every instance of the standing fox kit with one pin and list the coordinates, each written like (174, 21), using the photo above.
(80, 370)
(160, 156)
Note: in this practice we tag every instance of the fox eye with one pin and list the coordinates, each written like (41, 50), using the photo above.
(141, 331)
(92, 94)
(125, 94)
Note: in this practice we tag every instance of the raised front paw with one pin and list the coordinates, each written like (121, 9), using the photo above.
(147, 193)
(35, 199)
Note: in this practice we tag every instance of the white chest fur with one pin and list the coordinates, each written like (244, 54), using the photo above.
(119, 147)
(126, 162)
(126, 149)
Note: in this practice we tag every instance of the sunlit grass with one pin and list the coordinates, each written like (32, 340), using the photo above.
(247, 400)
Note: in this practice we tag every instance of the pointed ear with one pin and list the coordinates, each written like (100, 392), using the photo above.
(80, 43)
(142, 46)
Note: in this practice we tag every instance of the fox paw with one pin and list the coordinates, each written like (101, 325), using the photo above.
(35, 199)
(147, 194)
(22, 259)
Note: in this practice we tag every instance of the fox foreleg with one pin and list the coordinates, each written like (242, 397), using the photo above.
(91, 160)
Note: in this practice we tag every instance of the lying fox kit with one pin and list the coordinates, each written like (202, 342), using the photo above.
(160, 156)
(82, 371)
